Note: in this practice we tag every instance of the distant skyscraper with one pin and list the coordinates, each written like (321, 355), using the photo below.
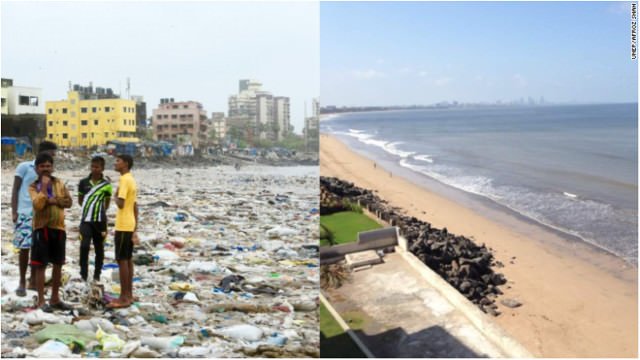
(267, 114)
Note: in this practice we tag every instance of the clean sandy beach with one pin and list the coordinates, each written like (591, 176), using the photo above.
(577, 301)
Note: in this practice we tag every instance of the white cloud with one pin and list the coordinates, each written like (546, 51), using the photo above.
(422, 73)
(443, 81)
(368, 74)
(520, 80)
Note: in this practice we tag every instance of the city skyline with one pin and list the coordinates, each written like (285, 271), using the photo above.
(385, 54)
(188, 51)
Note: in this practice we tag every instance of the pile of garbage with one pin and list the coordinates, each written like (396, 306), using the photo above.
(227, 266)
(457, 259)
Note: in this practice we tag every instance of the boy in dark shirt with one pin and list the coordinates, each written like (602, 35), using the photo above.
(94, 195)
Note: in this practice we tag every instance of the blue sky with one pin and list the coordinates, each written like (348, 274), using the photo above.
(402, 53)
(183, 50)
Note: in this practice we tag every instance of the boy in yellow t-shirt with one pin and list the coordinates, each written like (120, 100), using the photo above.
(126, 225)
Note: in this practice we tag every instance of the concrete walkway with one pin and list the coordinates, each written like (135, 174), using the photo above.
(405, 317)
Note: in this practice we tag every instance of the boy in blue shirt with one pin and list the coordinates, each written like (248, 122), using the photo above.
(22, 213)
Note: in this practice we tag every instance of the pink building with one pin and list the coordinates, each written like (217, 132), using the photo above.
(179, 122)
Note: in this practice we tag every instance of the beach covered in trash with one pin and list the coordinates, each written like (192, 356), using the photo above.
(227, 266)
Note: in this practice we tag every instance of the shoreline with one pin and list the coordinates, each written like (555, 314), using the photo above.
(577, 301)
(494, 210)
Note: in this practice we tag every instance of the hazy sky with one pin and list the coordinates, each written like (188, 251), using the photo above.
(187, 50)
(422, 53)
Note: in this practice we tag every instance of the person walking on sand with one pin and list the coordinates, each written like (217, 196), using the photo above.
(94, 195)
(22, 213)
(49, 197)
(126, 225)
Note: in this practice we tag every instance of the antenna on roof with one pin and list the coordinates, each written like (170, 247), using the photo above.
(128, 88)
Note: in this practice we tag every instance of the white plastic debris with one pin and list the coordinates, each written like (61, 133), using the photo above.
(38, 317)
(243, 331)
(280, 231)
(52, 349)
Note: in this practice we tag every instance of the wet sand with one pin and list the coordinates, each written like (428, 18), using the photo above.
(578, 301)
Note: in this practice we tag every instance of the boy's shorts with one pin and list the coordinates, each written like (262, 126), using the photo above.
(48, 247)
(22, 231)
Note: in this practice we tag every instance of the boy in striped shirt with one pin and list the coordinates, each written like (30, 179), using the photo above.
(94, 194)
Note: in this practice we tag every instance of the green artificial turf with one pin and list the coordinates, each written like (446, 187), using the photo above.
(346, 225)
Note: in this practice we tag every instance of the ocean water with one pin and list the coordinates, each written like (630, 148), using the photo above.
(573, 168)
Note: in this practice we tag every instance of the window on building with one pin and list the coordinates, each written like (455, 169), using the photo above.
(73, 101)
(83, 122)
(107, 109)
(174, 106)
(95, 122)
(93, 135)
(84, 135)
(64, 135)
(94, 109)
(184, 106)
(83, 110)
(73, 114)
(50, 123)
(50, 110)
(50, 136)
(174, 116)
(124, 108)
(73, 127)
(159, 128)
(64, 123)
(23, 100)
(106, 134)
(64, 110)
(33, 101)
(174, 126)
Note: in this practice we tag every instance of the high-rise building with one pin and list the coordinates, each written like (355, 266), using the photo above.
(244, 104)
(312, 129)
(268, 115)
(180, 122)
(90, 117)
(282, 116)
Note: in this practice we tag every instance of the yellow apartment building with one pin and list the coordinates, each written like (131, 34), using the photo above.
(89, 118)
